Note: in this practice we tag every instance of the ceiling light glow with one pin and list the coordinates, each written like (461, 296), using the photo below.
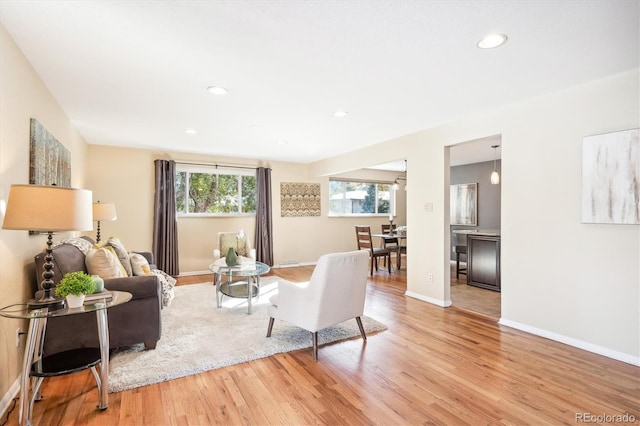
(190, 131)
(217, 90)
(340, 114)
(492, 40)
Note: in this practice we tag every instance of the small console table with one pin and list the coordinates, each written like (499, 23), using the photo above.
(39, 367)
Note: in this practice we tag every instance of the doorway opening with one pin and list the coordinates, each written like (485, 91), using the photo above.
(475, 213)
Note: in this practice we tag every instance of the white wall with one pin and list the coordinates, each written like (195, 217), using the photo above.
(568, 281)
(23, 96)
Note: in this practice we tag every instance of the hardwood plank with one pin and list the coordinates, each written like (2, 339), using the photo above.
(431, 366)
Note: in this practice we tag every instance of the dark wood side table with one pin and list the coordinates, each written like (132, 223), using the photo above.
(34, 365)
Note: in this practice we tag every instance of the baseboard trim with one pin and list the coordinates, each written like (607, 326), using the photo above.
(437, 302)
(590, 347)
(293, 264)
(12, 393)
(191, 273)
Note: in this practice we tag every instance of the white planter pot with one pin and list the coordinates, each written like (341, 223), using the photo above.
(74, 301)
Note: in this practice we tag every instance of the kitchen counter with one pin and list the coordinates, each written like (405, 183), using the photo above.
(483, 257)
(486, 232)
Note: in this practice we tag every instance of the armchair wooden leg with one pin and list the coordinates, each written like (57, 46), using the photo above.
(359, 321)
(314, 337)
(270, 327)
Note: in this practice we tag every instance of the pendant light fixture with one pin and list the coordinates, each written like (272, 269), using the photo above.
(495, 177)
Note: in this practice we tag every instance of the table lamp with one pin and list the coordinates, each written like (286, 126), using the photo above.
(48, 209)
(103, 211)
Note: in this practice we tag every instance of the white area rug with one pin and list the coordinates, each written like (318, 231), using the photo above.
(197, 337)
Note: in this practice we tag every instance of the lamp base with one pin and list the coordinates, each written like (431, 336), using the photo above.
(52, 305)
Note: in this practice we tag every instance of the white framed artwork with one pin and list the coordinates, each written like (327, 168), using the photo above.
(611, 178)
(463, 209)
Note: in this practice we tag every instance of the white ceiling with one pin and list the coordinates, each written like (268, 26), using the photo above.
(135, 73)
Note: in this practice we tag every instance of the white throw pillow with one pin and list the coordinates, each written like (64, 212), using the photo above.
(102, 262)
(139, 264)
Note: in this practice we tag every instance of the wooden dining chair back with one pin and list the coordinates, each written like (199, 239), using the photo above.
(393, 244)
(388, 242)
(363, 237)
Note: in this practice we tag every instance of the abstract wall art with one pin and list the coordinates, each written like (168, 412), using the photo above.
(463, 209)
(50, 161)
(611, 178)
(299, 199)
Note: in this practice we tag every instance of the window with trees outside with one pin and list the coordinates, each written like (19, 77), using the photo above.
(359, 198)
(212, 191)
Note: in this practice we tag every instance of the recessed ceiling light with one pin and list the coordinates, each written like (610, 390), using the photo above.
(281, 142)
(190, 131)
(217, 90)
(492, 40)
(340, 114)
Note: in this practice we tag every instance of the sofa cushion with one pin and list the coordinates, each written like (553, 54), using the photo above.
(235, 241)
(104, 262)
(122, 254)
(139, 264)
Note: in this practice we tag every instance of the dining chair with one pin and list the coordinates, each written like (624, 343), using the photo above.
(460, 248)
(392, 244)
(363, 237)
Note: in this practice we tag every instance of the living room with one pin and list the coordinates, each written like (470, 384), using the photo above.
(568, 281)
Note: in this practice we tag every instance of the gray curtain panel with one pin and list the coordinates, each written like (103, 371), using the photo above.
(165, 229)
(264, 237)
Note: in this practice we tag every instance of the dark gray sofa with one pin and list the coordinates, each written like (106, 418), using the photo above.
(137, 321)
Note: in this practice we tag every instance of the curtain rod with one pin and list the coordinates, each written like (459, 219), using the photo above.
(216, 165)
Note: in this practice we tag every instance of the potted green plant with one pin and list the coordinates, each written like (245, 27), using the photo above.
(74, 286)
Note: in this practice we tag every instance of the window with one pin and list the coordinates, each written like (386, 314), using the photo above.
(359, 198)
(210, 191)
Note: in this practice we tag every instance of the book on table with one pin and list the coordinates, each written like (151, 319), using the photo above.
(105, 294)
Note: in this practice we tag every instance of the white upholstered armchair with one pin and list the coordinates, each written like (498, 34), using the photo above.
(236, 239)
(335, 293)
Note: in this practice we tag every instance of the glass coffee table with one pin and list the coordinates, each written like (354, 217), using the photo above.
(242, 280)
(39, 367)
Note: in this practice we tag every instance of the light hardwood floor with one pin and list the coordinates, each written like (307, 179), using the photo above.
(474, 299)
(432, 366)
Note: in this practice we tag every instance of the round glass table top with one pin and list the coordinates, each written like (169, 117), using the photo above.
(246, 268)
(27, 311)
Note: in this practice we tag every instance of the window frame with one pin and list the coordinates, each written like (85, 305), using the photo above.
(213, 170)
(392, 197)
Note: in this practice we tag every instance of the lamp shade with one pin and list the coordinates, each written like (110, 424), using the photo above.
(48, 209)
(104, 211)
